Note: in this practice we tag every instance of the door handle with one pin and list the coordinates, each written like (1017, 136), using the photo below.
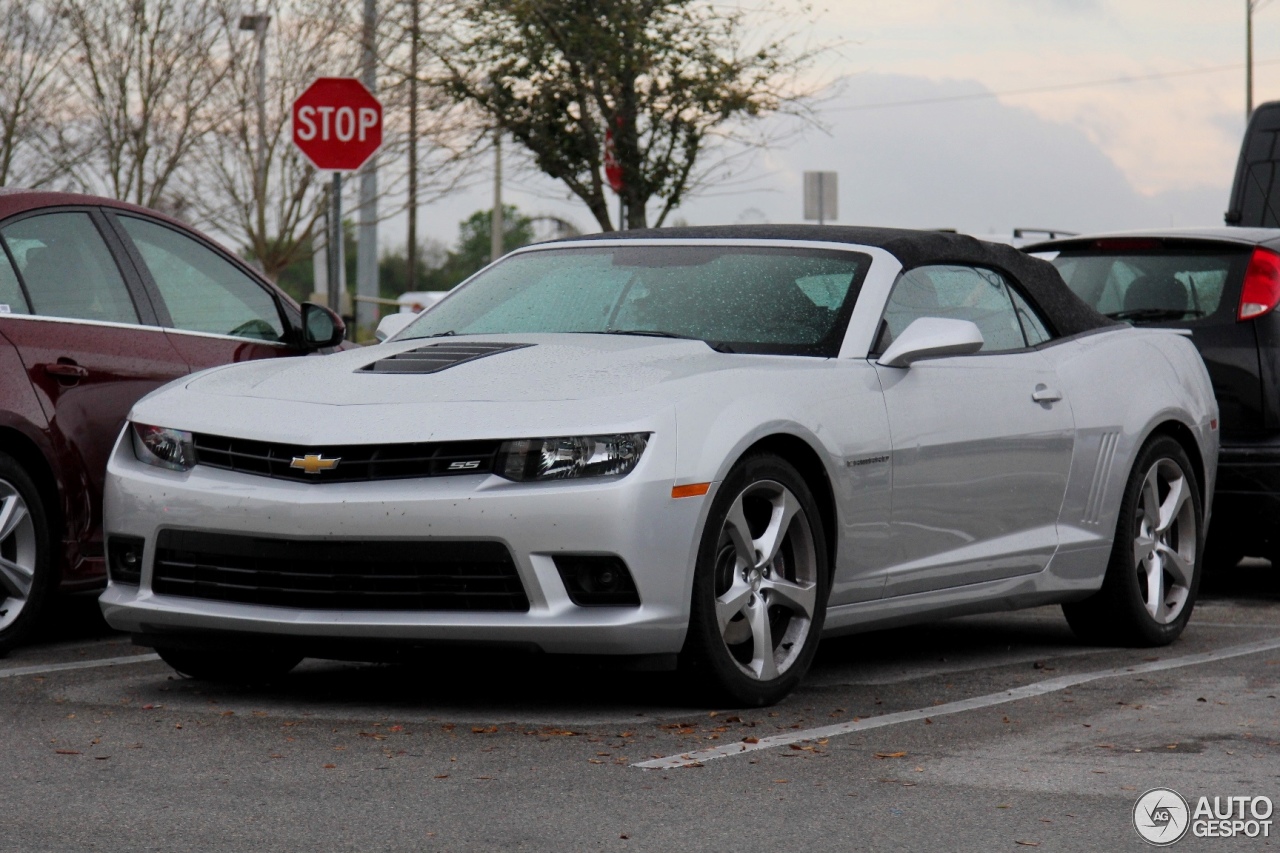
(1045, 394)
(65, 371)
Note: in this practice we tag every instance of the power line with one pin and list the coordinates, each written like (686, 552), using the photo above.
(1062, 87)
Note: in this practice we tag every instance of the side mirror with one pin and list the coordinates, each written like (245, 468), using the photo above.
(932, 337)
(393, 324)
(321, 327)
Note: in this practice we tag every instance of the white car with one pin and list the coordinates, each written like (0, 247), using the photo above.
(704, 445)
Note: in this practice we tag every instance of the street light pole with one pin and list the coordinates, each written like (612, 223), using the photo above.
(257, 22)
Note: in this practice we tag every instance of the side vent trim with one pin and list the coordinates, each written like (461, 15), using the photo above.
(1101, 477)
(434, 358)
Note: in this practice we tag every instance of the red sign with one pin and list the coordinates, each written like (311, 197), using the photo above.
(612, 168)
(337, 124)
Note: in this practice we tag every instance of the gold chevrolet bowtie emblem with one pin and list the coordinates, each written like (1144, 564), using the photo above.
(314, 463)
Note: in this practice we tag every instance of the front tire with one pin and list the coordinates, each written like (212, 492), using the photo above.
(26, 554)
(1154, 574)
(760, 586)
(229, 666)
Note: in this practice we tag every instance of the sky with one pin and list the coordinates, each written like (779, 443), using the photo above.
(984, 155)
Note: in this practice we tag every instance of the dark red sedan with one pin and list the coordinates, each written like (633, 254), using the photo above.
(101, 302)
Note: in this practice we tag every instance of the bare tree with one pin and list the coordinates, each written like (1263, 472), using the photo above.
(269, 200)
(431, 142)
(144, 73)
(35, 148)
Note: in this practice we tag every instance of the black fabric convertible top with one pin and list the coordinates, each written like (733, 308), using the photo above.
(1039, 280)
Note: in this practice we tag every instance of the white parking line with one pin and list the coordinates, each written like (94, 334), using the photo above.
(687, 759)
(80, 664)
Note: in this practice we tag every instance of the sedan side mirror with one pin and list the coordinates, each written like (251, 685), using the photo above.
(321, 327)
(393, 324)
(932, 337)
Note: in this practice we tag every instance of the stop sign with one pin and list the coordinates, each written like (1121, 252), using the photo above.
(337, 123)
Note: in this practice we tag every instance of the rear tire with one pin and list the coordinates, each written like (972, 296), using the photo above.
(760, 586)
(1154, 574)
(27, 575)
(229, 666)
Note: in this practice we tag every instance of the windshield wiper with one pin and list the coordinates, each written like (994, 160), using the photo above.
(447, 334)
(718, 346)
(1152, 315)
(649, 333)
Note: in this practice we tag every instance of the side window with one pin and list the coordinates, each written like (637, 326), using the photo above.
(203, 291)
(958, 293)
(12, 300)
(1032, 326)
(68, 269)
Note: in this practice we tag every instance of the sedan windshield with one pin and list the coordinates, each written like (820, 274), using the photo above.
(737, 299)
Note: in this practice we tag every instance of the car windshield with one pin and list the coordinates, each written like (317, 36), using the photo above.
(1153, 286)
(737, 299)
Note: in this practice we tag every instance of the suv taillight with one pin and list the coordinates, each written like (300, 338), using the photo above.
(1261, 290)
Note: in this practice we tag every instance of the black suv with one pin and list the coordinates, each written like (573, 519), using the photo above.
(1222, 285)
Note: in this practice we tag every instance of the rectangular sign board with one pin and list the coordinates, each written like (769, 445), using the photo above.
(820, 196)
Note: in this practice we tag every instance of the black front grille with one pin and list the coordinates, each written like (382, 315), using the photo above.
(354, 463)
(341, 574)
(433, 358)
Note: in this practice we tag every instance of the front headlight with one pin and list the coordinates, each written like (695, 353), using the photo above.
(162, 447)
(570, 458)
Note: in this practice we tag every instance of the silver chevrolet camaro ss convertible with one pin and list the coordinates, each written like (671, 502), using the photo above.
(705, 446)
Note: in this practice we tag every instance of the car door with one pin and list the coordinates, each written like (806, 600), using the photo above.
(215, 311)
(88, 342)
(982, 443)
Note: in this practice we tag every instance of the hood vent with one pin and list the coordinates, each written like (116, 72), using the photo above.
(434, 358)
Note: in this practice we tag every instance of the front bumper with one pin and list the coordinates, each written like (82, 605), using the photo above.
(634, 518)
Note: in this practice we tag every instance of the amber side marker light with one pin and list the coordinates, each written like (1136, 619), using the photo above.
(692, 490)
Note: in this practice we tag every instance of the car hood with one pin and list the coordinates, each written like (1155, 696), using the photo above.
(535, 368)
(551, 385)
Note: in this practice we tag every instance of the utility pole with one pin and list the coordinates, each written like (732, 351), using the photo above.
(411, 252)
(496, 243)
(367, 248)
(257, 22)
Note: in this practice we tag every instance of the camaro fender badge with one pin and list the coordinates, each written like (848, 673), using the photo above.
(314, 463)
(868, 460)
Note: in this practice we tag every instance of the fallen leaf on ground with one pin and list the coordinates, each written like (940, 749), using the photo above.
(330, 766)
(68, 752)
(891, 755)
(482, 730)
(1027, 843)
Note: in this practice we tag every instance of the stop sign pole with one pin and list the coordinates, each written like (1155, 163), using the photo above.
(337, 125)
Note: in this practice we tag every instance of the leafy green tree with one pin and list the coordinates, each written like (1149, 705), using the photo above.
(665, 78)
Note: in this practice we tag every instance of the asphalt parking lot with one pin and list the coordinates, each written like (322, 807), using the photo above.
(982, 733)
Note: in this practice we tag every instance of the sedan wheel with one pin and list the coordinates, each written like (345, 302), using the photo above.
(761, 585)
(1151, 582)
(24, 554)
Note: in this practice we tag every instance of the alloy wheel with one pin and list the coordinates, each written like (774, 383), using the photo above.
(766, 580)
(17, 554)
(1164, 547)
